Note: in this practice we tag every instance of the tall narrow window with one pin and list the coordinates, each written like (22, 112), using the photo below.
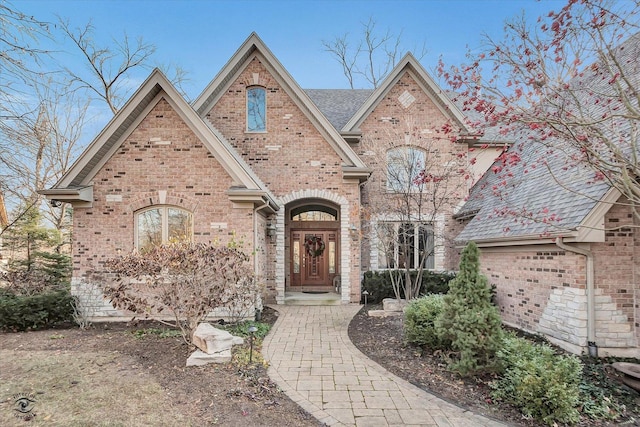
(256, 109)
(163, 224)
(404, 166)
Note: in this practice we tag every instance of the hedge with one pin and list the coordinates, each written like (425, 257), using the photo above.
(21, 313)
(378, 284)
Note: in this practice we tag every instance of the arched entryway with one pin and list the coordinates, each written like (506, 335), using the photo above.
(301, 201)
(314, 246)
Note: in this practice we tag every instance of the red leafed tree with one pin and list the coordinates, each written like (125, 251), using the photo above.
(569, 81)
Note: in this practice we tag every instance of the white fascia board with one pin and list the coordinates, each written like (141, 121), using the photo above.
(109, 129)
(592, 227)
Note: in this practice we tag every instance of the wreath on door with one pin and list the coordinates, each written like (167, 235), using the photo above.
(314, 246)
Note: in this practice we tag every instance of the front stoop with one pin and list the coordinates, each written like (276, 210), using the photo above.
(300, 298)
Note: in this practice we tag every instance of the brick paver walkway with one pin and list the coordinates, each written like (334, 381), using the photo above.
(312, 359)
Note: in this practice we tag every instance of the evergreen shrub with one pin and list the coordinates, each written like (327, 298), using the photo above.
(30, 312)
(469, 320)
(419, 322)
(543, 385)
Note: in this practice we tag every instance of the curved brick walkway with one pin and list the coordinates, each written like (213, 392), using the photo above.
(312, 359)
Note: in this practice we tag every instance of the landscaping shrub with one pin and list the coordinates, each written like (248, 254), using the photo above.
(187, 279)
(378, 284)
(419, 321)
(469, 319)
(26, 312)
(545, 386)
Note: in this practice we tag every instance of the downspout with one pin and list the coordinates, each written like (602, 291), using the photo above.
(591, 298)
(257, 304)
(255, 234)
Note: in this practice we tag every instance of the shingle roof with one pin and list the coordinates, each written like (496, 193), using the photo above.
(338, 105)
(547, 190)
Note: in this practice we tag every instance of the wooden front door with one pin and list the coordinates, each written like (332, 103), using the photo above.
(313, 258)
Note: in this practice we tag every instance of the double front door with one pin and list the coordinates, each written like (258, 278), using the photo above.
(314, 258)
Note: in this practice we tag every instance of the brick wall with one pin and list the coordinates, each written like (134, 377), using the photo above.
(417, 124)
(542, 289)
(616, 262)
(291, 156)
(143, 173)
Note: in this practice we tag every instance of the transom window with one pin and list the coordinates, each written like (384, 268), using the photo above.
(162, 224)
(314, 213)
(405, 244)
(404, 166)
(256, 109)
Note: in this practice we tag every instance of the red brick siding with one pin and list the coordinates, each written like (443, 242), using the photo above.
(616, 263)
(191, 176)
(303, 160)
(525, 278)
(388, 124)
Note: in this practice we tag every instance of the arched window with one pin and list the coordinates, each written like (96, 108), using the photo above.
(256, 109)
(404, 166)
(314, 213)
(162, 224)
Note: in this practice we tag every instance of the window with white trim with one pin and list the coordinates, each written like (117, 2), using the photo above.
(404, 165)
(405, 244)
(162, 224)
(256, 109)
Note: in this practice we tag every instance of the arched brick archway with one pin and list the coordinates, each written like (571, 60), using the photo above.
(298, 198)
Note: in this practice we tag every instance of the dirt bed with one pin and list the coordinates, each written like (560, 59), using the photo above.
(110, 375)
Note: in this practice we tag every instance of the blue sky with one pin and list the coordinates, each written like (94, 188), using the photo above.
(201, 36)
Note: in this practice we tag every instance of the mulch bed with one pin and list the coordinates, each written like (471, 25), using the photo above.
(381, 339)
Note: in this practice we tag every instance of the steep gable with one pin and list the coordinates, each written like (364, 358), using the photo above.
(76, 186)
(252, 50)
(410, 65)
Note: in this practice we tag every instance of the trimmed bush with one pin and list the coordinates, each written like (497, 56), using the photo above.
(540, 383)
(378, 284)
(419, 321)
(21, 313)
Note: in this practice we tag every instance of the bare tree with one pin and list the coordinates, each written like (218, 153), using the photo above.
(371, 57)
(409, 202)
(20, 58)
(571, 83)
(108, 67)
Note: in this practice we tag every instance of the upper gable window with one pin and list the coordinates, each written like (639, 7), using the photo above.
(162, 224)
(256, 109)
(404, 166)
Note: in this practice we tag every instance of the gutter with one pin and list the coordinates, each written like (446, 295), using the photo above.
(591, 298)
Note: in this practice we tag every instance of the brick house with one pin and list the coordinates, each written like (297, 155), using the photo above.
(258, 160)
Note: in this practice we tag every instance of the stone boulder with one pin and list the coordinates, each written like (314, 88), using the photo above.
(212, 340)
(214, 345)
(392, 304)
(200, 358)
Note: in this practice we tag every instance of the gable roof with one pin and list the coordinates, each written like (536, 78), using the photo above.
(534, 198)
(339, 105)
(255, 47)
(75, 185)
(546, 193)
(411, 65)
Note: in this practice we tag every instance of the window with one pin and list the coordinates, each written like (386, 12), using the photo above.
(256, 109)
(405, 244)
(158, 225)
(314, 213)
(404, 166)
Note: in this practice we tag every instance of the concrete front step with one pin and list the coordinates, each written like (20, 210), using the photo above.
(300, 298)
